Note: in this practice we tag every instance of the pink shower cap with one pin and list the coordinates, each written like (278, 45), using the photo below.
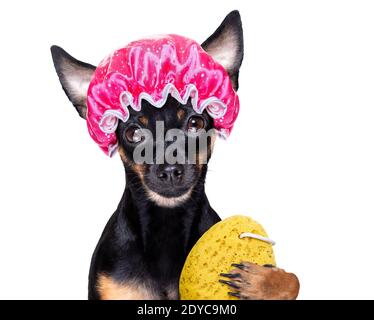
(151, 69)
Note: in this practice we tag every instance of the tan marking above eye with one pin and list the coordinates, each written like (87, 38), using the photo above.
(143, 120)
(110, 289)
(181, 114)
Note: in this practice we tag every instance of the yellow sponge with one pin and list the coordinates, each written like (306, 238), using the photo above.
(214, 253)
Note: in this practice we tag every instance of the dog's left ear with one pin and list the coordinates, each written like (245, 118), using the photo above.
(226, 45)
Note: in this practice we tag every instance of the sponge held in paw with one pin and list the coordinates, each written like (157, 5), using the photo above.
(230, 241)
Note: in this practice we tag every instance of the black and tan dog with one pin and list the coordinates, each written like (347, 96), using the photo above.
(164, 209)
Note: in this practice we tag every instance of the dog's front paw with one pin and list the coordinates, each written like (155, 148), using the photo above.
(249, 281)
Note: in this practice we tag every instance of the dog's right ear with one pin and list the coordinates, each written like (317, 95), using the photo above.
(74, 76)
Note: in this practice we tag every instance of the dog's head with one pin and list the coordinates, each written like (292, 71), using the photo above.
(166, 167)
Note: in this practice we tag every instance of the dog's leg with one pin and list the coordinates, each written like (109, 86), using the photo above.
(249, 281)
(110, 289)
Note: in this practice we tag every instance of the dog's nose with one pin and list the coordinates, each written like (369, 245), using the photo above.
(170, 173)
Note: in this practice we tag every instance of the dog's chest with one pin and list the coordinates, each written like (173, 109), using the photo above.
(150, 266)
(165, 253)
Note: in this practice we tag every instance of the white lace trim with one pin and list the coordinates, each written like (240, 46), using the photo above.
(109, 120)
(214, 106)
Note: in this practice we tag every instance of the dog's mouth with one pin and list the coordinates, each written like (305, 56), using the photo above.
(169, 199)
(170, 192)
(170, 185)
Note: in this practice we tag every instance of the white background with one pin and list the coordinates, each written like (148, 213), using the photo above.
(300, 159)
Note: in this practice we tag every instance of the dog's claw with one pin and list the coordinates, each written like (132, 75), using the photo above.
(229, 283)
(230, 275)
(268, 266)
(238, 265)
(234, 294)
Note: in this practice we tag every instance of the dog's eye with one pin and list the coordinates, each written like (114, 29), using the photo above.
(195, 123)
(133, 134)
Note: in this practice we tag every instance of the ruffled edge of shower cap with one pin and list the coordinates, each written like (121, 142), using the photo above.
(153, 69)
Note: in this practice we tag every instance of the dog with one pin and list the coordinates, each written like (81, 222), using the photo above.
(164, 209)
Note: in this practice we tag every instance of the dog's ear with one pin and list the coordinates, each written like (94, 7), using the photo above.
(226, 45)
(74, 76)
